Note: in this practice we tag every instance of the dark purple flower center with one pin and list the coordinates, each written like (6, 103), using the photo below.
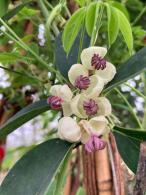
(94, 143)
(91, 107)
(98, 62)
(54, 102)
(82, 82)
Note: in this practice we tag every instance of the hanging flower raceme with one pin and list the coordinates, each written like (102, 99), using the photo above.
(86, 104)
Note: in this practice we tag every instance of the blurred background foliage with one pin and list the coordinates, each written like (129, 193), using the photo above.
(24, 80)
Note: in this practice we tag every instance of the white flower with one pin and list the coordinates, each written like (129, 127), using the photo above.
(79, 77)
(93, 59)
(95, 126)
(65, 93)
(69, 130)
(84, 106)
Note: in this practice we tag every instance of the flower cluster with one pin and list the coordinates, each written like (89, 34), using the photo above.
(90, 110)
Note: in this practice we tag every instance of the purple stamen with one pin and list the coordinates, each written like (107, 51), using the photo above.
(94, 143)
(54, 102)
(90, 107)
(98, 62)
(82, 82)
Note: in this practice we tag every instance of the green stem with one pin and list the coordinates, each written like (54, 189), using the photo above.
(16, 39)
(43, 8)
(135, 90)
(130, 108)
(139, 16)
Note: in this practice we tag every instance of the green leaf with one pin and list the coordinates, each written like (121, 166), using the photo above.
(63, 61)
(134, 66)
(113, 24)
(91, 15)
(133, 133)
(125, 29)
(3, 7)
(35, 171)
(23, 116)
(10, 57)
(72, 28)
(129, 149)
(80, 2)
(14, 11)
(121, 7)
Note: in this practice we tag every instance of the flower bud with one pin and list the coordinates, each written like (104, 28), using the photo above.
(69, 130)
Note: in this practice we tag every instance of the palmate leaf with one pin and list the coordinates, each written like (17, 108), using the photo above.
(128, 143)
(72, 29)
(35, 171)
(113, 24)
(132, 67)
(24, 115)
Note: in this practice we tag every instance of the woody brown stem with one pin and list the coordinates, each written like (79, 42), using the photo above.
(103, 172)
(89, 171)
(140, 186)
(117, 165)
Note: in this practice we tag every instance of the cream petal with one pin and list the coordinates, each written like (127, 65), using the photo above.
(108, 73)
(69, 130)
(98, 125)
(77, 106)
(75, 71)
(55, 90)
(104, 106)
(66, 93)
(67, 111)
(87, 54)
(85, 131)
(95, 88)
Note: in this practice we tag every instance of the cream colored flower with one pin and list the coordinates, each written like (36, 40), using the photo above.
(93, 59)
(84, 106)
(96, 126)
(79, 77)
(69, 130)
(65, 93)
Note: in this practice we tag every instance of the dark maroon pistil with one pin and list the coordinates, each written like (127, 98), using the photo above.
(82, 82)
(91, 107)
(98, 62)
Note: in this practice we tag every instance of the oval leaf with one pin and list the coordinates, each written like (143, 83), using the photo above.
(91, 15)
(134, 66)
(63, 61)
(23, 116)
(34, 172)
(72, 29)
(113, 24)
(129, 149)
(125, 29)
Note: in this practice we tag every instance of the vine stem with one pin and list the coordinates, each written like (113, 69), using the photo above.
(139, 16)
(135, 90)
(116, 187)
(130, 108)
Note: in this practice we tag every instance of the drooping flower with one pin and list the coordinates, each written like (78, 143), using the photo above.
(93, 59)
(69, 130)
(61, 96)
(94, 143)
(79, 77)
(55, 102)
(93, 133)
(84, 106)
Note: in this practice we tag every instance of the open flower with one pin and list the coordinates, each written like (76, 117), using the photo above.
(69, 130)
(79, 77)
(61, 96)
(84, 106)
(93, 133)
(93, 59)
